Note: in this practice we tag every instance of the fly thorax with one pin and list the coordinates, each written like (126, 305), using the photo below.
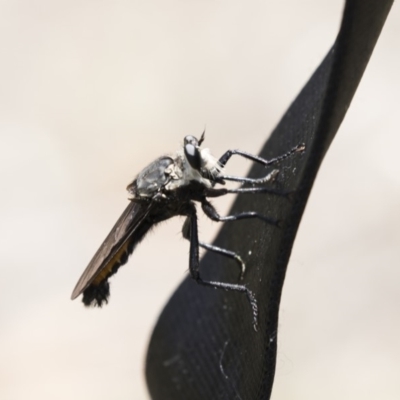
(174, 171)
(154, 177)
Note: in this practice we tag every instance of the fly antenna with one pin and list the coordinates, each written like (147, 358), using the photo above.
(202, 137)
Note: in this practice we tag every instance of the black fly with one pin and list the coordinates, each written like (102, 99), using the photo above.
(166, 188)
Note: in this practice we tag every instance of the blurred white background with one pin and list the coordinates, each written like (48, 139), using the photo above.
(92, 91)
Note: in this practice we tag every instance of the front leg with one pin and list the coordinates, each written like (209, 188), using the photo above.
(268, 178)
(225, 157)
(218, 192)
(254, 181)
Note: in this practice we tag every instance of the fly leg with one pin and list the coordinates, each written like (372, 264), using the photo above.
(254, 181)
(225, 157)
(215, 249)
(194, 268)
(212, 213)
(268, 178)
(217, 192)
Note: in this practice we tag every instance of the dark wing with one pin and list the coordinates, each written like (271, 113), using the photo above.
(114, 252)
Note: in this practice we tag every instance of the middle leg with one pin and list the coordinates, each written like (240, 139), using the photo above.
(212, 213)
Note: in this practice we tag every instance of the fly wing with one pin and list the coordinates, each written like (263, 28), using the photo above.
(114, 252)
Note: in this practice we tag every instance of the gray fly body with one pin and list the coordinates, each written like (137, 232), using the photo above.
(168, 187)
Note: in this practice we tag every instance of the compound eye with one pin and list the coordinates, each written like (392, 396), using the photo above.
(190, 140)
(192, 154)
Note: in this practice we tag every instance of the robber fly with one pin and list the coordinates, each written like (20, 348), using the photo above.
(167, 187)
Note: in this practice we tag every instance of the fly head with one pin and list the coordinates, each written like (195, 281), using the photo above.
(192, 151)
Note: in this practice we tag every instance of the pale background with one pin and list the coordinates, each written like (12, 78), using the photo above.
(90, 92)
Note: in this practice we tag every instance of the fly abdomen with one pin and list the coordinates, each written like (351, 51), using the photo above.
(97, 295)
(98, 291)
